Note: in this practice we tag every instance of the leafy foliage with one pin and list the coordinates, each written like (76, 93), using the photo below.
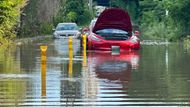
(9, 12)
(179, 14)
(132, 6)
(154, 21)
(35, 24)
(175, 24)
(74, 11)
(30, 25)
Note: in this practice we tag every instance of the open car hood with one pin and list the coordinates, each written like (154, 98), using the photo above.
(113, 18)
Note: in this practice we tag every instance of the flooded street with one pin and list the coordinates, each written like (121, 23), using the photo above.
(156, 75)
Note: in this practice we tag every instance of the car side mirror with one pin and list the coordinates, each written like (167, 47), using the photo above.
(137, 33)
(53, 29)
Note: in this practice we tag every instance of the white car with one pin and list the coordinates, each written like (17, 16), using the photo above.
(64, 30)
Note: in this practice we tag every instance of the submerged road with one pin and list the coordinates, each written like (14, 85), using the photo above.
(156, 75)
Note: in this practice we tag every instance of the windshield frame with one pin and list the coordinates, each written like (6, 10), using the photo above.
(112, 31)
(61, 27)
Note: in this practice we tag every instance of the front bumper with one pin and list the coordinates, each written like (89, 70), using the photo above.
(65, 35)
(107, 45)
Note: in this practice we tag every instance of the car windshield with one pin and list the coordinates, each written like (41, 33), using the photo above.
(113, 34)
(67, 27)
(117, 32)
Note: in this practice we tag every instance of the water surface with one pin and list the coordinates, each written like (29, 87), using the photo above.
(156, 75)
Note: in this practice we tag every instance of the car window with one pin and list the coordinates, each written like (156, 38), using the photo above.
(67, 27)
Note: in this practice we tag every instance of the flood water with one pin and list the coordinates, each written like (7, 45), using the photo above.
(156, 75)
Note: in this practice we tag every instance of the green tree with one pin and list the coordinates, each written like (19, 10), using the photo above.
(72, 16)
(153, 20)
(179, 15)
(171, 26)
(132, 6)
(30, 25)
(9, 12)
(74, 11)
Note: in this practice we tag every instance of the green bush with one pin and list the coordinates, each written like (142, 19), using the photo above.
(46, 28)
(10, 10)
(74, 11)
(156, 24)
(155, 31)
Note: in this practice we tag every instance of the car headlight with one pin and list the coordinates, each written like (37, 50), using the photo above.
(55, 34)
(134, 39)
(78, 33)
(94, 38)
(86, 33)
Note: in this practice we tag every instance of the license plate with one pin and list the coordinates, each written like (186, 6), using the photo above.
(115, 50)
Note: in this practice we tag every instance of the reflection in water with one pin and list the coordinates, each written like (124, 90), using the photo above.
(13, 85)
(70, 67)
(153, 76)
(107, 76)
(61, 46)
(113, 67)
(12, 91)
(162, 77)
(7, 60)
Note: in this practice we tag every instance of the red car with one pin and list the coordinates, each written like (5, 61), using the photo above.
(113, 29)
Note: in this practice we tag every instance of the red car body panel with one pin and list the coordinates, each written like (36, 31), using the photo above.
(113, 19)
